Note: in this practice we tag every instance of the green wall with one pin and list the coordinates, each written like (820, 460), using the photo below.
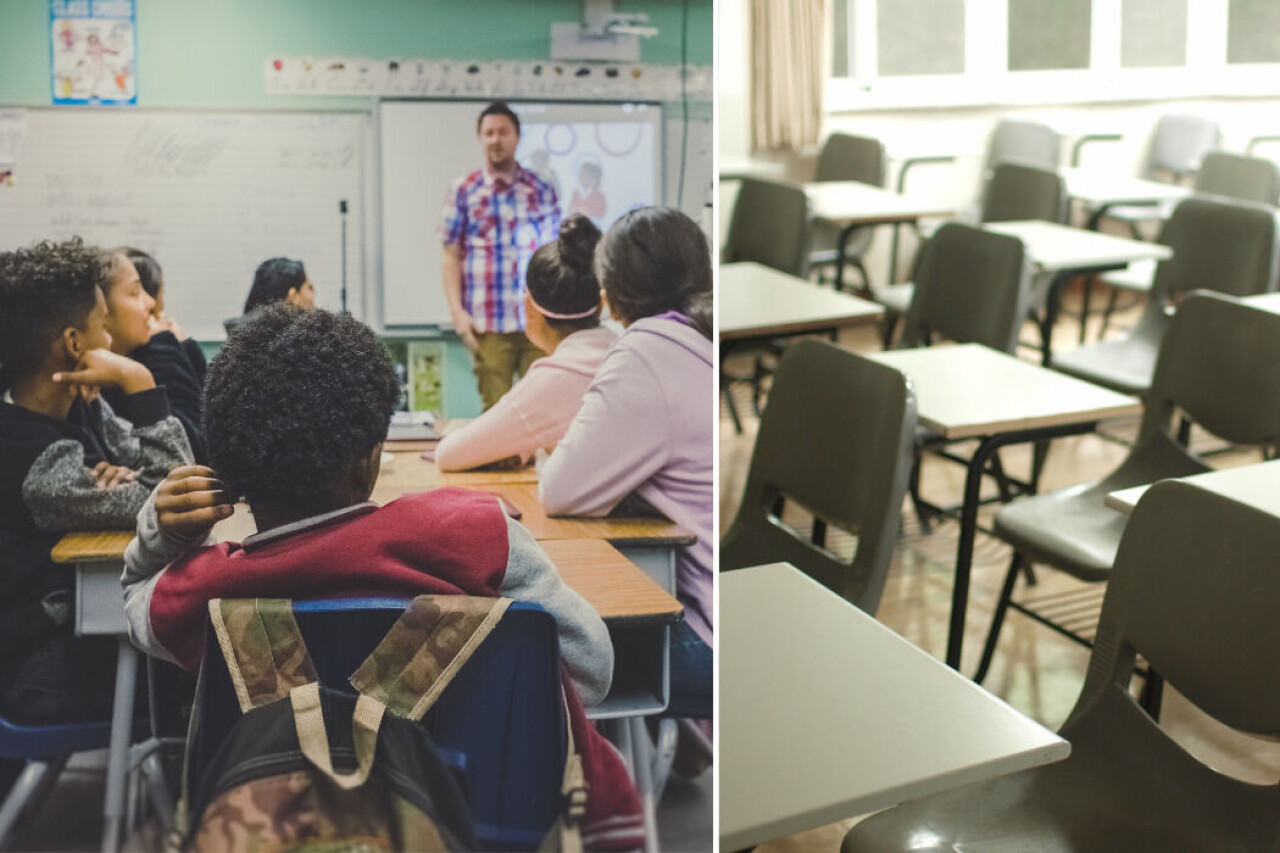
(209, 53)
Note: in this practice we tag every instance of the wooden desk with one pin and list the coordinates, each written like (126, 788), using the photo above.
(970, 391)
(829, 714)
(1257, 485)
(1062, 252)
(409, 472)
(759, 302)
(850, 204)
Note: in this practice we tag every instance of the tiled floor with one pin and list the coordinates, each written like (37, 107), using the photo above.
(1035, 670)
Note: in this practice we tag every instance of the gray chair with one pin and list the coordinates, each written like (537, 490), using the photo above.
(836, 438)
(1176, 149)
(1217, 245)
(1014, 192)
(972, 286)
(1219, 366)
(770, 225)
(847, 158)
(1194, 593)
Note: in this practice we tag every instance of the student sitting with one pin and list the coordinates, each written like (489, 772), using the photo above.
(276, 280)
(132, 325)
(562, 304)
(298, 404)
(644, 428)
(67, 462)
(151, 276)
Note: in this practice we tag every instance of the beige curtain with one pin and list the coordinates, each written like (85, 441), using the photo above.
(788, 69)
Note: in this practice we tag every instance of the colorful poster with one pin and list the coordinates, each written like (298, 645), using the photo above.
(93, 51)
(426, 376)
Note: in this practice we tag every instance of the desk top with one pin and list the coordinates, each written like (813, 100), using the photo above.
(1265, 301)
(737, 168)
(834, 715)
(409, 472)
(854, 203)
(1257, 485)
(1096, 188)
(1054, 247)
(619, 531)
(756, 301)
(969, 390)
(612, 584)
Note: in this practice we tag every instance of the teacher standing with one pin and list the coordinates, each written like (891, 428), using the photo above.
(494, 220)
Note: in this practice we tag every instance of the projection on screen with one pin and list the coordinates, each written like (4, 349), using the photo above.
(603, 160)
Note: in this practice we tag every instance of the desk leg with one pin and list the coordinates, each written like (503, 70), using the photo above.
(1051, 308)
(969, 521)
(121, 735)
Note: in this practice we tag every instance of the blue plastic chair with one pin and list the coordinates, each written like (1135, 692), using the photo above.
(46, 750)
(502, 714)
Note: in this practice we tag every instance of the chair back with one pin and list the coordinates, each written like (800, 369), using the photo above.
(1178, 145)
(1219, 364)
(1239, 176)
(1220, 245)
(851, 158)
(1193, 591)
(837, 438)
(770, 226)
(971, 286)
(502, 713)
(1030, 143)
(1017, 192)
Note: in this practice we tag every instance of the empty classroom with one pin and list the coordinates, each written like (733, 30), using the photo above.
(989, 271)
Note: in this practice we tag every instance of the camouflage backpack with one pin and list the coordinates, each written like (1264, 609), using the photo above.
(307, 767)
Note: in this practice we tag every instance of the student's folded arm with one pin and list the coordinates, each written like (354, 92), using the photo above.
(62, 494)
(585, 646)
(619, 439)
(145, 436)
(145, 561)
(497, 434)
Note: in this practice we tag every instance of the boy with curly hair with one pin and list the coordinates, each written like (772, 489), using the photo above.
(297, 406)
(67, 462)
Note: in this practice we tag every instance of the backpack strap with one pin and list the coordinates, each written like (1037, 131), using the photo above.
(426, 647)
(308, 719)
(263, 648)
(565, 835)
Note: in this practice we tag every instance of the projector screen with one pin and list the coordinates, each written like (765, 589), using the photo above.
(603, 159)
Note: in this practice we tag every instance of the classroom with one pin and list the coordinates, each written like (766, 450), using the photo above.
(313, 339)
(988, 270)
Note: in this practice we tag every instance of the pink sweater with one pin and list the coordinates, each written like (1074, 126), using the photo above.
(536, 412)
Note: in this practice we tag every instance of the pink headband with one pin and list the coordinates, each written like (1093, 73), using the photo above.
(554, 316)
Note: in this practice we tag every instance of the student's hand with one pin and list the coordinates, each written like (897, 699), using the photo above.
(99, 367)
(190, 502)
(166, 324)
(465, 327)
(107, 476)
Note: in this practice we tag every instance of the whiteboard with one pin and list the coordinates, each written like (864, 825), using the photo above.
(426, 145)
(210, 194)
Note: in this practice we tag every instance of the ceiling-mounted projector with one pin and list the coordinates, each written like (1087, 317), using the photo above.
(603, 35)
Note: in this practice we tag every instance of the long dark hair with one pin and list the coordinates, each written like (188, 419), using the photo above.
(654, 260)
(273, 280)
(149, 272)
(561, 279)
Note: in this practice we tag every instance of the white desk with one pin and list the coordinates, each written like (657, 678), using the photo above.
(829, 714)
(1265, 301)
(756, 301)
(1256, 485)
(1061, 252)
(970, 391)
(1100, 190)
(850, 204)
(737, 168)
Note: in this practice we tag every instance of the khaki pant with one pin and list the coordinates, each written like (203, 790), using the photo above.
(499, 356)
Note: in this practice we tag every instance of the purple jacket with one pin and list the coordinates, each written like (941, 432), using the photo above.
(645, 427)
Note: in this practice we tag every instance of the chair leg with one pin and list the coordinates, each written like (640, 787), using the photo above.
(1152, 693)
(158, 790)
(997, 618)
(36, 779)
(664, 754)
(862, 273)
(913, 488)
(733, 410)
(819, 534)
(1184, 431)
(1106, 315)
(1002, 481)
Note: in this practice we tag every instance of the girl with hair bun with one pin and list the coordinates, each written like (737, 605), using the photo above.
(645, 426)
(562, 307)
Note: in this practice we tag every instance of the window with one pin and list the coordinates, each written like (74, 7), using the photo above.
(889, 54)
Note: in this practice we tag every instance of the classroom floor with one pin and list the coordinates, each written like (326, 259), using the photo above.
(1035, 670)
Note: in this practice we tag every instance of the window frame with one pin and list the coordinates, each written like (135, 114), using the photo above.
(986, 80)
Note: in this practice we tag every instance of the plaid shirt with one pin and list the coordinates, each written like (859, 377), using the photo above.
(498, 225)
